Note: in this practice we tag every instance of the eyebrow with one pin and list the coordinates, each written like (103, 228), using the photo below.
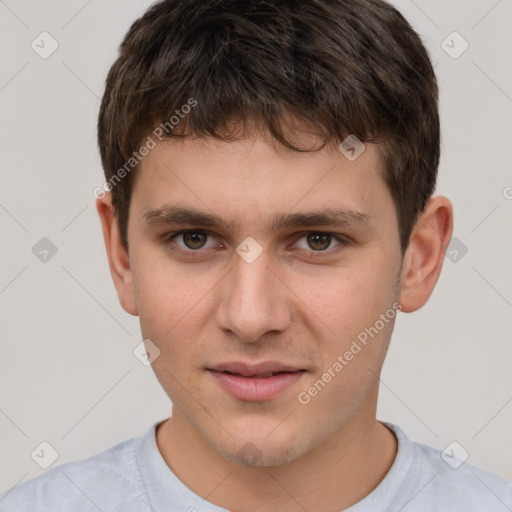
(181, 215)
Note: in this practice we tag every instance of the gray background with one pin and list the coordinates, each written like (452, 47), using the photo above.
(68, 375)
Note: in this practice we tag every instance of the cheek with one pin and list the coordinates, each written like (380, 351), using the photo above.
(351, 304)
(173, 307)
(163, 291)
(348, 298)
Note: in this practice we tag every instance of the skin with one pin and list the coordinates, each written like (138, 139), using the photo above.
(298, 303)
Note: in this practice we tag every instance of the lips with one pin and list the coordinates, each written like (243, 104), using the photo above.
(265, 369)
(257, 382)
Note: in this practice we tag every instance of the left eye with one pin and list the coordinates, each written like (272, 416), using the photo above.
(319, 241)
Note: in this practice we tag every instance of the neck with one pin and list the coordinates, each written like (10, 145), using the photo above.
(335, 475)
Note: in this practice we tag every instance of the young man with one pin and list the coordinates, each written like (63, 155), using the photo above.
(267, 211)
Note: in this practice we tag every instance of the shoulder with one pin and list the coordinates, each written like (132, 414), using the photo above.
(446, 482)
(106, 481)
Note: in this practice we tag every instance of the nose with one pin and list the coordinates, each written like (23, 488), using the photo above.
(254, 299)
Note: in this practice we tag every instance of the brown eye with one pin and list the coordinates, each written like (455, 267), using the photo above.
(191, 242)
(319, 241)
(194, 239)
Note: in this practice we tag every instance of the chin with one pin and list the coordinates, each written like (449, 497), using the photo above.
(256, 456)
(258, 451)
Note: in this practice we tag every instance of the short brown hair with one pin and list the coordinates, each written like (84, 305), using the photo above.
(346, 67)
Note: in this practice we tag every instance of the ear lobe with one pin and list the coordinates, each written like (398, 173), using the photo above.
(118, 259)
(424, 257)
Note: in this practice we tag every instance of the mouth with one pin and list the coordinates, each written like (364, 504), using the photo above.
(257, 376)
(258, 382)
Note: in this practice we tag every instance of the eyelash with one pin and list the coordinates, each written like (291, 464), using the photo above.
(315, 254)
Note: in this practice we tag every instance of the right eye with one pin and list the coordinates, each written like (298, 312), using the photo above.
(193, 240)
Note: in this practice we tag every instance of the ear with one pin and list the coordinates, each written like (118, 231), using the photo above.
(424, 256)
(118, 259)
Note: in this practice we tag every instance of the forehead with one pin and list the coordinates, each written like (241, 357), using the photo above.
(254, 177)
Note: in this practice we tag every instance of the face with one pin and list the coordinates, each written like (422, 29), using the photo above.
(311, 299)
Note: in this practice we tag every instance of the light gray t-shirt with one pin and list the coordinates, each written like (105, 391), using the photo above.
(132, 476)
